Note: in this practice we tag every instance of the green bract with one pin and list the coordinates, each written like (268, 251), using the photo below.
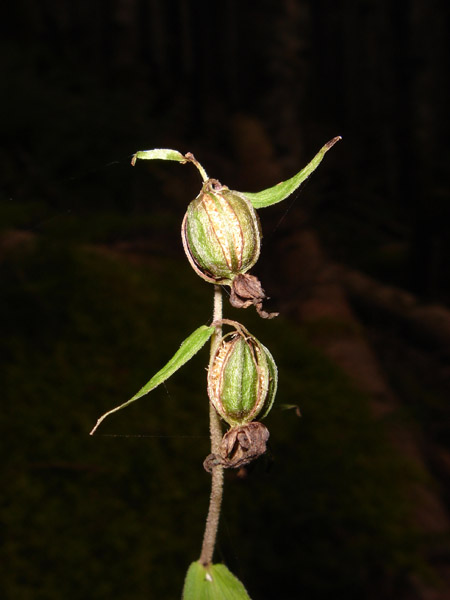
(242, 378)
(221, 234)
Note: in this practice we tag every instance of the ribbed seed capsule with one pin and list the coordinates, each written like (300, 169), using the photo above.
(221, 233)
(242, 378)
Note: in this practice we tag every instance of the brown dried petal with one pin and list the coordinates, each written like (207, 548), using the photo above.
(240, 445)
(247, 290)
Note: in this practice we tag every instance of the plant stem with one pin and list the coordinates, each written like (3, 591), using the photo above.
(191, 158)
(215, 429)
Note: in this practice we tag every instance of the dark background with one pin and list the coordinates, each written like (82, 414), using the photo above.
(96, 294)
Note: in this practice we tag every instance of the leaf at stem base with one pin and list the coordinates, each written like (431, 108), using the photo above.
(213, 582)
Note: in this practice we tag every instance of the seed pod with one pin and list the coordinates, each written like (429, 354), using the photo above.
(221, 233)
(242, 378)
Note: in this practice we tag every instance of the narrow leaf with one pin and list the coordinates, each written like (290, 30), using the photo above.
(159, 153)
(282, 190)
(167, 154)
(214, 582)
(187, 350)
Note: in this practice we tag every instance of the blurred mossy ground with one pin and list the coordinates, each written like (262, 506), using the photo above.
(121, 514)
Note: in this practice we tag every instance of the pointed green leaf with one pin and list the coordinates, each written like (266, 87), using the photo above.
(159, 153)
(214, 582)
(282, 190)
(187, 350)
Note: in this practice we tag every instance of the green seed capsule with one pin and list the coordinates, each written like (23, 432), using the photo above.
(242, 379)
(221, 234)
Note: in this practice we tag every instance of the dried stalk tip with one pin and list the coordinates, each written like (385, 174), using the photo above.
(240, 446)
(246, 290)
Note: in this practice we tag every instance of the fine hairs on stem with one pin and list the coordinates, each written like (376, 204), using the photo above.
(215, 428)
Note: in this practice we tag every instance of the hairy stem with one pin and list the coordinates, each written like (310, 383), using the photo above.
(191, 158)
(215, 428)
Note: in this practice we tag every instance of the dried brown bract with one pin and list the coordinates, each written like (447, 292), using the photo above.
(247, 290)
(240, 446)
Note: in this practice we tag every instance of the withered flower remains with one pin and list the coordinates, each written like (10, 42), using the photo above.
(240, 446)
